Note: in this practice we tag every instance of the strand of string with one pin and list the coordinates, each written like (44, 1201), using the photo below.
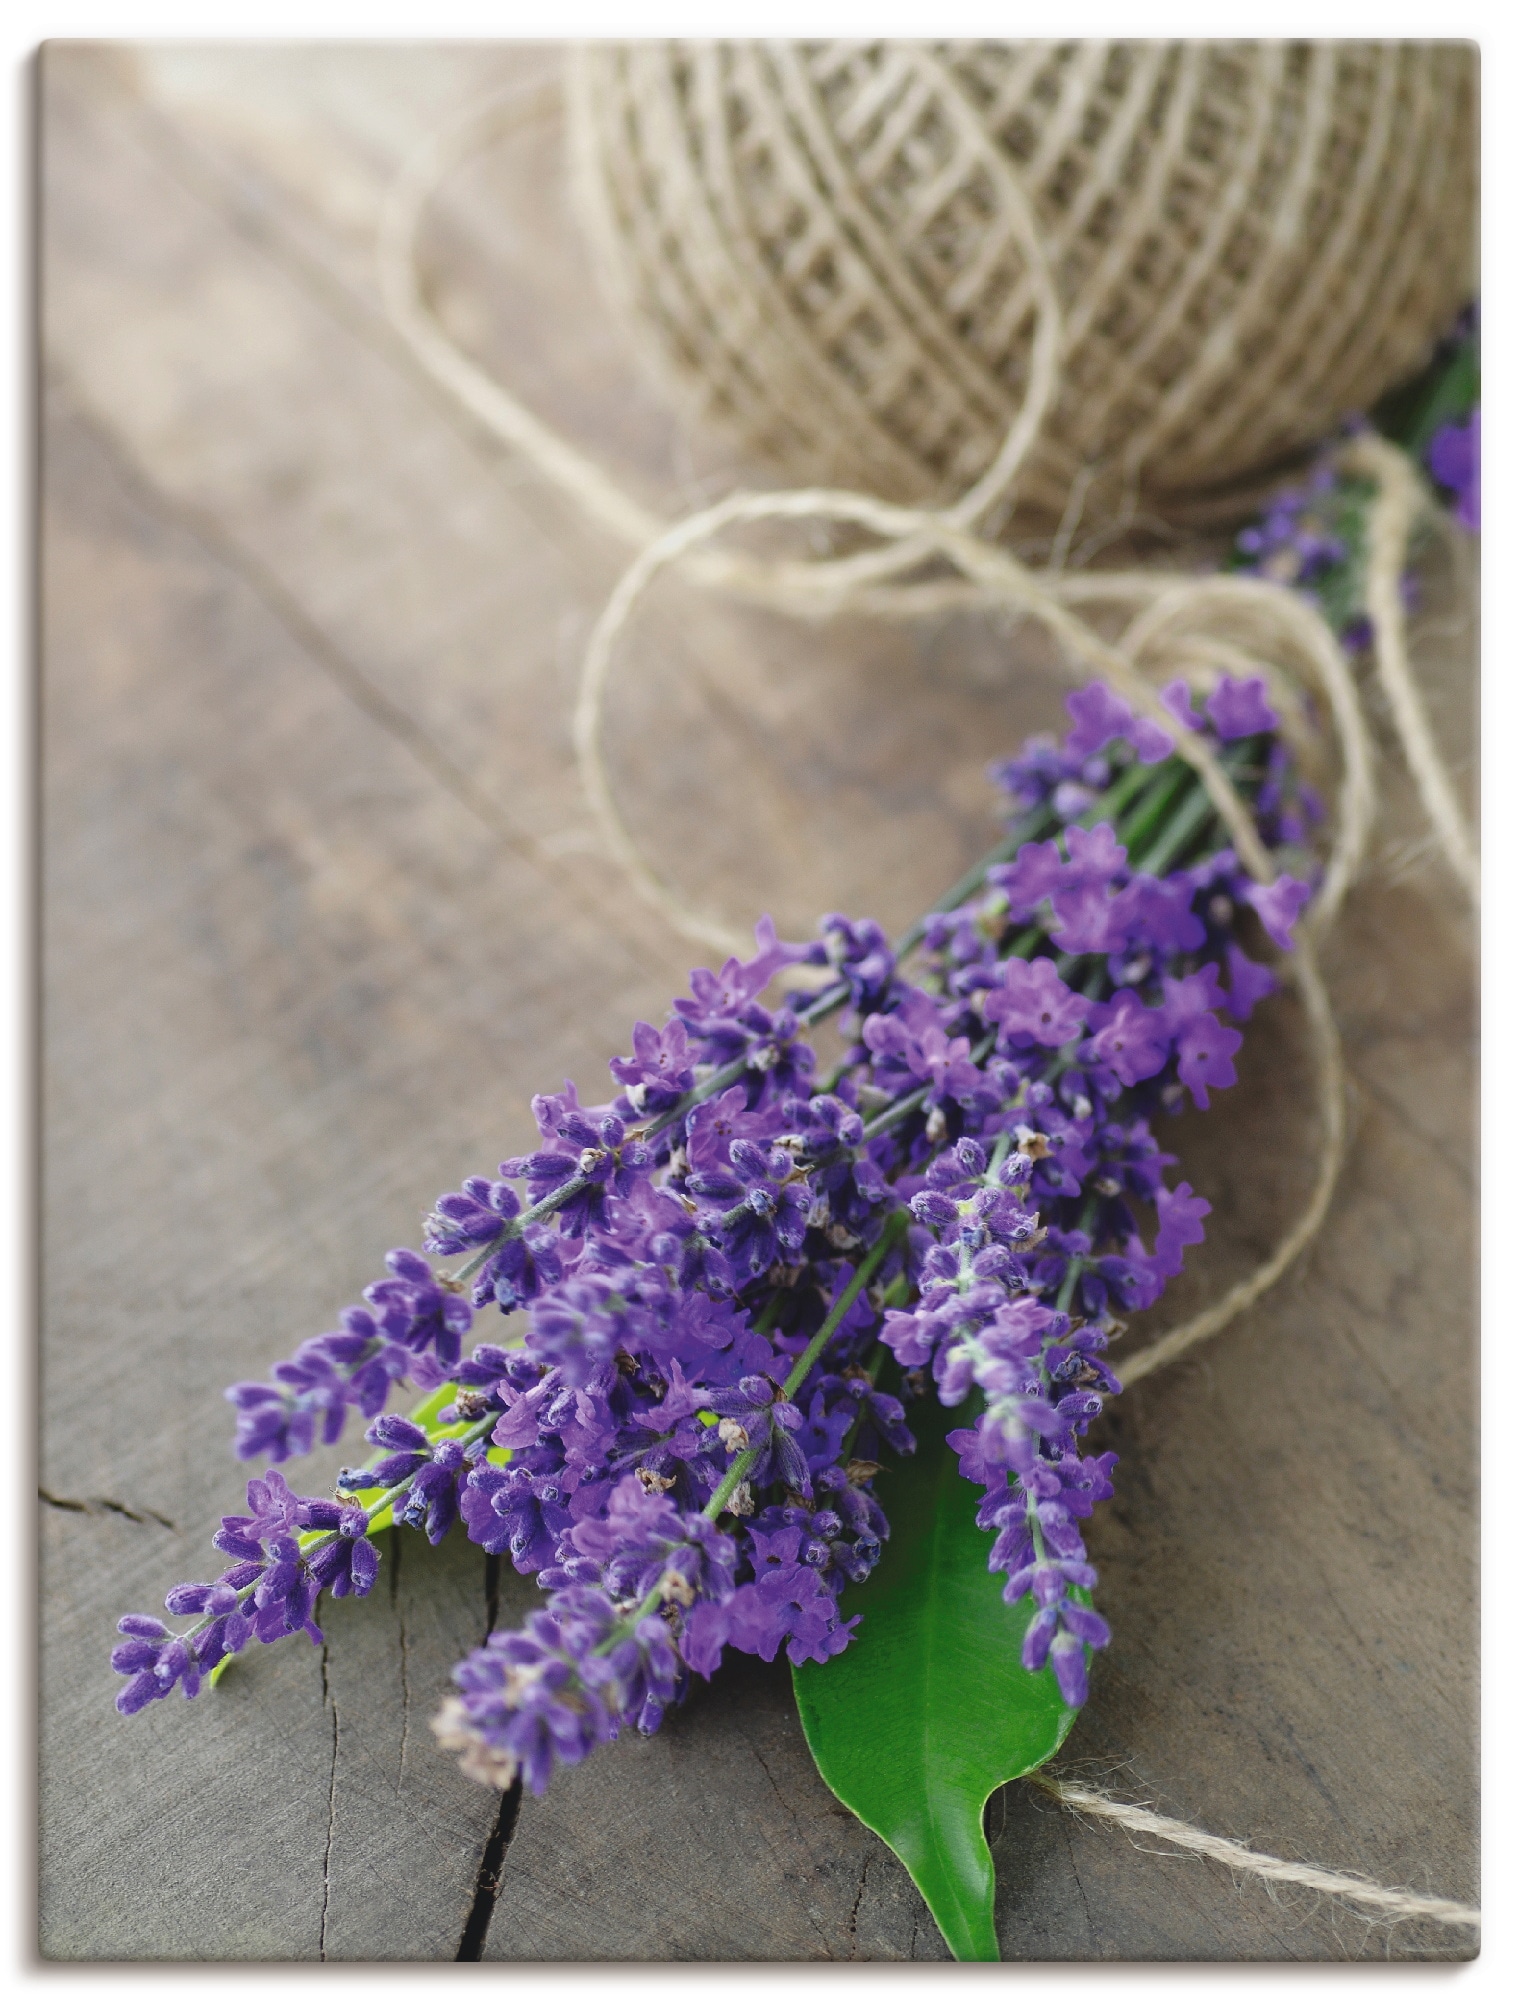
(1215, 624)
(1393, 1903)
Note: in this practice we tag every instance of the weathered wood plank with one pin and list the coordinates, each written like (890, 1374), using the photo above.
(322, 912)
(764, 768)
(714, 1839)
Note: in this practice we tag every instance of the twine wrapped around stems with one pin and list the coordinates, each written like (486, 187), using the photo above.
(928, 559)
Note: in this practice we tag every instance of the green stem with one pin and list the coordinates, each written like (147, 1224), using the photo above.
(1117, 796)
(1028, 828)
(1169, 779)
(872, 1369)
(895, 1113)
(826, 1003)
(769, 1313)
(1174, 835)
(1077, 1264)
(741, 1467)
(746, 1461)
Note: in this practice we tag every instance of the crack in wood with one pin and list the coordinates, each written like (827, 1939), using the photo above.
(1070, 1855)
(395, 1588)
(488, 1881)
(854, 1914)
(332, 1797)
(796, 1827)
(492, 1593)
(488, 1876)
(97, 1504)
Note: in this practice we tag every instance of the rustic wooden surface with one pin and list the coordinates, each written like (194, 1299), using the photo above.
(323, 908)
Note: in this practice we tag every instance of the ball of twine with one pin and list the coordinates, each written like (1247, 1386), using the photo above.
(1178, 263)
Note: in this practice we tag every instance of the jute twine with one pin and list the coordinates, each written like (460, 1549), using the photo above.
(930, 559)
(843, 253)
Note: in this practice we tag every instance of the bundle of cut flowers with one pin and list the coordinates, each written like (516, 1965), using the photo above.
(805, 1362)
(733, 1290)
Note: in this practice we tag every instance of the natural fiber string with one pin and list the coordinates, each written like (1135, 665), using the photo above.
(1393, 1903)
(1400, 502)
(1263, 627)
(817, 246)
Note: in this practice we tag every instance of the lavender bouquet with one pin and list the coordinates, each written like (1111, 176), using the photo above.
(739, 1289)
(793, 1360)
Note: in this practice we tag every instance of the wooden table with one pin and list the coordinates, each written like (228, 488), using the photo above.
(323, 907)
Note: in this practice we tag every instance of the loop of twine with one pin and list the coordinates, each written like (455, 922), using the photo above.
(1208, 625)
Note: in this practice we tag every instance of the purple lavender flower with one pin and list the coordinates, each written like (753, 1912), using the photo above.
(346, 1564)
(714, 1124)
(790, 1606)
(755, 1417)
(273, 1510)
(511, 1510)
(1278, 906)
(1101, 717)
(643, 1544)
(1239, 708)
(156, 1661)
(1249, 983)
(903, 1059)
(1134, 1040)
(311, 1394)
(756, 1208)
(552, 1692)
(1180, 1214)
(1293, 542)
(269, 1593)
(862, 955)
(588, 1163)
(1034, 1005)
(417, 1312)
(1035, 875)
(1205, 1048)
(659, 1071)
(473, 1216)
(1455, 459)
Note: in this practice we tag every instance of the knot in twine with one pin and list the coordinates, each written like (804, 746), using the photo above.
(1205, 626)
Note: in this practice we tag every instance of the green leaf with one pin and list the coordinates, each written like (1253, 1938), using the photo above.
(919, 1721)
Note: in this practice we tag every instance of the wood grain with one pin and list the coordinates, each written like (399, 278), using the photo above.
(323, 909)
